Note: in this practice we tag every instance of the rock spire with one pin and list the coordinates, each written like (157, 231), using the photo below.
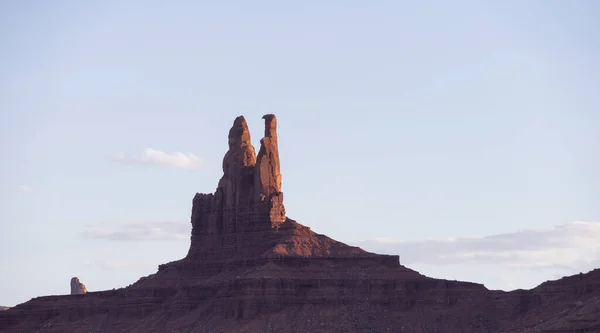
(238, 165)
(267, 175)
(248, 198)
(77, 288)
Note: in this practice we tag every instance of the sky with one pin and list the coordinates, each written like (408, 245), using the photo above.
(462, 136)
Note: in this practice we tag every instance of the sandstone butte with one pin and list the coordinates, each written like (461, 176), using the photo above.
(77, 287)
(250, 268)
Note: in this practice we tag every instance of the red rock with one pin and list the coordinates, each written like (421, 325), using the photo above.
(77, 287)
(267, 174)
(251, 269)
(238, 164)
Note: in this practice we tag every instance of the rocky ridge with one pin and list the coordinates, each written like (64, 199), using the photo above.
(250, 268)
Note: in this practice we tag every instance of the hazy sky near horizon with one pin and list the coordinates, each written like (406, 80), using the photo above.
(463, 135)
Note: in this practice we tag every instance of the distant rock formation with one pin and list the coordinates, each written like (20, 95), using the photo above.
(2, 308)
(250, 268)
(77, 288)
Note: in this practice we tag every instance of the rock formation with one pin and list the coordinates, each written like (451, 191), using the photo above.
(77, 287)
(248, 201)
(267, 175)
(245, 218)
(250, 268)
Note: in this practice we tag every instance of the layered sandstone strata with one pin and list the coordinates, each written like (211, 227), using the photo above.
(250, 268)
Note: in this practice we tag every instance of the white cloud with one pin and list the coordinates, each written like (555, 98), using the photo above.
(25, 188)
(521, 259)
(152, 156)
(149, 231)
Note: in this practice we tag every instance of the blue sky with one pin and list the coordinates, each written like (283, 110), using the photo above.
(406, 127)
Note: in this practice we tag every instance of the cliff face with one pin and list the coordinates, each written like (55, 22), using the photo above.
(252, 269)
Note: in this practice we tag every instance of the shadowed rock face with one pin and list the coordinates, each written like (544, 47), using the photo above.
(77, 288)
(252, 269)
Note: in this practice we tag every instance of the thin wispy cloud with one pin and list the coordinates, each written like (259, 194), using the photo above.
(139, 232)
(118, 264)
(25, 188)
(150, 156)
(568, 247)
